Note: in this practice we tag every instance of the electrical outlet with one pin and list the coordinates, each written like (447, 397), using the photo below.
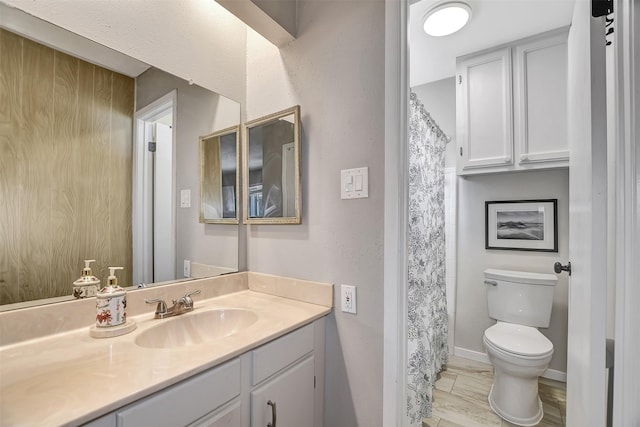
(187, 268)
(348, 294)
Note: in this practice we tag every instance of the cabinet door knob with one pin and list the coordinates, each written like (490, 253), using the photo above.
(273, 414)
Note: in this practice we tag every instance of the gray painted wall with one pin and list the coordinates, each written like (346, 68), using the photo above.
(471, 306)
(335, 72)
(439, 98)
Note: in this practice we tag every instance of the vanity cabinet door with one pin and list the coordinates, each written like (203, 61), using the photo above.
(292, 392)
(108, 420)
(228, 416)
(186, 402)
(484, 127)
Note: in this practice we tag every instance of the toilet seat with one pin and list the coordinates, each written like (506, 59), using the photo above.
(518, 340)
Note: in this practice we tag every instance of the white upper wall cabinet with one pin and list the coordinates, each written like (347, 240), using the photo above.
(540, 100)
(511, 106)
(484, 110)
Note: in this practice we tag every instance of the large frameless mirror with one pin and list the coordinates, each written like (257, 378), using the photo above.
(271, 169)
(219, 176)
(98, 171)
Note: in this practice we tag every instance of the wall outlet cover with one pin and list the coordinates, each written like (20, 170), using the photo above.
(348, 299)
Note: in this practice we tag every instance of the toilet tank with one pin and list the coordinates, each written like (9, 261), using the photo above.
(520, 297)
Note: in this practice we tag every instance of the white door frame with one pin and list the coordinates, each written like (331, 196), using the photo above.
(142, 209)
(396, 189)
(626, 411)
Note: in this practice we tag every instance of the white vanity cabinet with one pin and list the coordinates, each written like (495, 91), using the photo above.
(287, 397)
(187, 402)
(284, 381)
(288, 371)
(208, 399)
(511, 106)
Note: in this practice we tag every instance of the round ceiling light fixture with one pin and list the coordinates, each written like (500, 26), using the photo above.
(446, 18)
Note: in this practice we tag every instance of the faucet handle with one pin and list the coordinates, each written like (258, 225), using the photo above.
(188, 294)
(161, 309)
(186, 299)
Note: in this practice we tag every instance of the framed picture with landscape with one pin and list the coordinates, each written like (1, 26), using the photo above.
(522, 225)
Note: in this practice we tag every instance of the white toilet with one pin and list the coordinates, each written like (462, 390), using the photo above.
(521, 302)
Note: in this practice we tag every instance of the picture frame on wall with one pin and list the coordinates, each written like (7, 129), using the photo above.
(522, 225)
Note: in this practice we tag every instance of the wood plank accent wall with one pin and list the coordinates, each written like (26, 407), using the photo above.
(66, 146)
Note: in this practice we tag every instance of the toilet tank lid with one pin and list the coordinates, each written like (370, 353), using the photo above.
(521, 277)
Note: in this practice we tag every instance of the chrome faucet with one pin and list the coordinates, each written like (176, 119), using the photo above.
(182, 305)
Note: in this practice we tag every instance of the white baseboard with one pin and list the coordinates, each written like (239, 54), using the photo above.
(472, 355)
(551, 374)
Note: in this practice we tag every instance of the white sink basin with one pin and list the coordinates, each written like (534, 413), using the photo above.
(196, 328)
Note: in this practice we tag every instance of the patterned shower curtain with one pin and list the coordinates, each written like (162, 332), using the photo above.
(427, 304)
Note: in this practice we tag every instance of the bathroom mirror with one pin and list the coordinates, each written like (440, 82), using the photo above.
(219, 177)
(76, 202)
(271, 169)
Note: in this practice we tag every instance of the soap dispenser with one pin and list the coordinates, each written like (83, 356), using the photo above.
(111, 303)
(88, 284)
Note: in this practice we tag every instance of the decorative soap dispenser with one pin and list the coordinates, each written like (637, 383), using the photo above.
(88, 284)
(111, 303)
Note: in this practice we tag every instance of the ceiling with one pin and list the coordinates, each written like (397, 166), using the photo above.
(31, 27)
(493, 22)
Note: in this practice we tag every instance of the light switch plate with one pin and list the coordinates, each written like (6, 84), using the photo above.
(354, 183)
(185, 198)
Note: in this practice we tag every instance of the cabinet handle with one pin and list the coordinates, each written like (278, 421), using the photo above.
(273, 413)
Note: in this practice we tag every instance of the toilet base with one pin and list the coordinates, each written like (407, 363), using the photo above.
(525, 422)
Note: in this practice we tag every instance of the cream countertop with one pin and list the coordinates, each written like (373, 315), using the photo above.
(71, 378)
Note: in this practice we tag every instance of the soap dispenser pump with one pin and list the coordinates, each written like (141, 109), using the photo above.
(111, 302)
(88, 284)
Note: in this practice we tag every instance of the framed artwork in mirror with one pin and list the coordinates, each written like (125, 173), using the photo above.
(271, 169)
(219, 176)
(522, 225)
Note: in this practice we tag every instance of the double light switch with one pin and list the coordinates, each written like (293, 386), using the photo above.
(354, 183)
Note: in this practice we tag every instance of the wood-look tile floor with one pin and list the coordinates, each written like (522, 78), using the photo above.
(462, 392)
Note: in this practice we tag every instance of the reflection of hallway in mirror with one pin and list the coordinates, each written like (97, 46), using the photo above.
(154, 213)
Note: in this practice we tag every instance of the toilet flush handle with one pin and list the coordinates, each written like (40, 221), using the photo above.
(491, 282)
